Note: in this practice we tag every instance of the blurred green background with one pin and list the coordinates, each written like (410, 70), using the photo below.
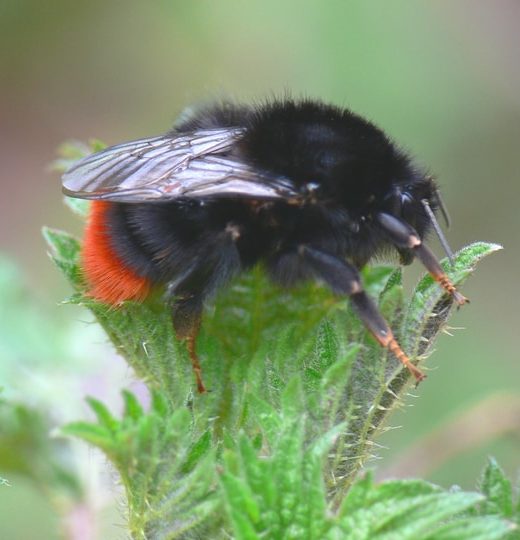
(442, 78)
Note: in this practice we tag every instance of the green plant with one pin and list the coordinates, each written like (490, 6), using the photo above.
(299, 390)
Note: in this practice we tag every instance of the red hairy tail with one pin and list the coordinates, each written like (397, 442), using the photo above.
(109, 279)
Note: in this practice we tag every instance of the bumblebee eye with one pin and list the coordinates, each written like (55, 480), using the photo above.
(326, 160)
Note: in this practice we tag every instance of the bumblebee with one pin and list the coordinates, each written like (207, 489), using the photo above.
(309, 190)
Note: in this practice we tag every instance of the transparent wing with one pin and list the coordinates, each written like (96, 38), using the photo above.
(169, 167)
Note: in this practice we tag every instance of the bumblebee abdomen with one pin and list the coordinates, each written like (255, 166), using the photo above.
(109, 278)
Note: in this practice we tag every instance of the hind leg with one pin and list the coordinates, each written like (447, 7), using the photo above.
(186, 316)
(208, 274)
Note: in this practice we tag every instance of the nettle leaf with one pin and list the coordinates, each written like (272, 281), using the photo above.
(497, 488)
(500, 499)
(474, 528)
(262, 502)
(414, 510)
(429, 307)
(64, 253)
(90, 433)
(279, 494)
(71, 151)
(80, 207)
(169, 478)
(377, 380)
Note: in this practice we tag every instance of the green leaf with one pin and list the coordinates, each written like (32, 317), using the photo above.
(497, 489)
(430, 306)
(64, 246)
(71, 151)
(103, 415)
(357, 496)
(241, 500)
(90, 433)
(474, 528)
(464, 264)
(133, 408)
(281, 495)
(499, 498)
(415, 517)
(159, 403)
(267, 417)
(80, 207)
(417, 512)
(198, 450)
(169, 483)
(337, 375)
(377, 380)
(364, 493)
(65, 251)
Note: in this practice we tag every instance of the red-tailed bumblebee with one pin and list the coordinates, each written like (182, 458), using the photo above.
(309, 190)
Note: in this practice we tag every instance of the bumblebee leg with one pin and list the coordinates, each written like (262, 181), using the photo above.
(186, 322)
(403, 236)
(343, 278)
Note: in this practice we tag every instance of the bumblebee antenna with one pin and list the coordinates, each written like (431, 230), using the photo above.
(436, 226)
(440, 203)
(443, 208)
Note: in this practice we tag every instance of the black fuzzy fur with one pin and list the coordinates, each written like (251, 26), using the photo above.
(348, 167)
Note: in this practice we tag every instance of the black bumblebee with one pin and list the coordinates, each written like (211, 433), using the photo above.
(309, 190)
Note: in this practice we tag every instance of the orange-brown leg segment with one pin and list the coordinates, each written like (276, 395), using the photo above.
(186, 322)
(192, 350)
(433, 266)
(374, 321)
(394, 347)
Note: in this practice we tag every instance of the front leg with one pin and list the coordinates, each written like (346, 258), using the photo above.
(343, 278)
(405, 237)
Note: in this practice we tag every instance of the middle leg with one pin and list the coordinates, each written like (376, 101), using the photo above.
(344, 279)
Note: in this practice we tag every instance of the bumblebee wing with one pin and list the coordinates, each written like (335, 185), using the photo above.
(194, 164)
